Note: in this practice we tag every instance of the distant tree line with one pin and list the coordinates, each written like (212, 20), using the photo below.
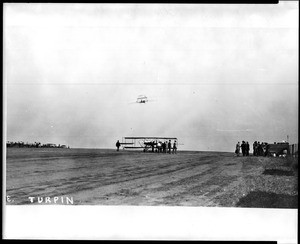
(34, 145)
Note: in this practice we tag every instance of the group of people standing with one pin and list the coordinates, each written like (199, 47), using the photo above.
(259, 149)
(164, 147)
(245, 148)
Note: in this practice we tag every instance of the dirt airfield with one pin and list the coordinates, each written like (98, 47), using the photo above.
(188, 178)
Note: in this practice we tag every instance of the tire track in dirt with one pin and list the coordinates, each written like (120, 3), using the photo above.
(188, 178)
(159, 187)
(145, 174)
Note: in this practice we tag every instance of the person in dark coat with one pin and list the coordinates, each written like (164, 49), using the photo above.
(174, 147)
(152, 146)
(255, 148)
(259, 149)
(247, 149)
(164, 145)
(169, 147)
(118, 144)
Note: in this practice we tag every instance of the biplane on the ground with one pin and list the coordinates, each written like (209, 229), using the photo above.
(146, 143)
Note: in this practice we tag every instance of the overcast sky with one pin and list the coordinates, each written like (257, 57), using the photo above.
(216, 74)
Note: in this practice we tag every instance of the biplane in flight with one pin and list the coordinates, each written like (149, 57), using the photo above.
(146, 143)
(142, 99)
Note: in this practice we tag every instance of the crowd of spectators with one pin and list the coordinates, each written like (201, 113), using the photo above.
(259, 149)
(163, 147)
(34, 145)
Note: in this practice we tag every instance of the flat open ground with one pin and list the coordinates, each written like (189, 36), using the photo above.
(107, 177)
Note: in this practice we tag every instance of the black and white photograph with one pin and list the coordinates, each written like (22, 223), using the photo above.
(133, 112)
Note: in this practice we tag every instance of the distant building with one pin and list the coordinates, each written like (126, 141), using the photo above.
(63, 146)
(50, 145)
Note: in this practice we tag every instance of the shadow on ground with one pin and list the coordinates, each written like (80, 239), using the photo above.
(278, 172)
(259, 199)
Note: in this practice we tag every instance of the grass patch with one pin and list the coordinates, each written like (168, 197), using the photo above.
(292, 163)
(259, 199)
